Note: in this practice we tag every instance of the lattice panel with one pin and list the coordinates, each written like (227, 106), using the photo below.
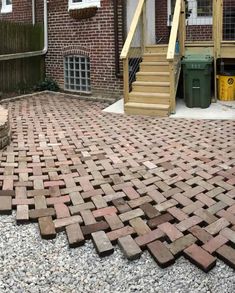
(229, 20)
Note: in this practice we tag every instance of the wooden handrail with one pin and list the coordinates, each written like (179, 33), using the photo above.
(132, 30)
(174, 31)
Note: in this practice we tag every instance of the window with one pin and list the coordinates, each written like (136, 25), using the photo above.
(199, 11)
(75, 4)
(204, 8)
(77, 73)
(6, 6)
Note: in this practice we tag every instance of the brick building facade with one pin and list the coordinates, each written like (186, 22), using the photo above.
(21, 11)
(92, 38)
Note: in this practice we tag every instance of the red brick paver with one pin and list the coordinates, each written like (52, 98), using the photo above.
(164, 185)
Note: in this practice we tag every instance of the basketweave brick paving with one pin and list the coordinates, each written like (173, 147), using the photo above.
(159, 184)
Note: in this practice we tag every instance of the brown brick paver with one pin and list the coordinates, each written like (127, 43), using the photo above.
(166, 185)
(130, 248)
(200, 257)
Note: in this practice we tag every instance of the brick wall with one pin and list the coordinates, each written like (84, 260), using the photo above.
(21, 11)
(199, 33)
(93, 37)
(39, 10)
(162, 31)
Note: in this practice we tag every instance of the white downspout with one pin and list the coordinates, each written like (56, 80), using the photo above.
(34, 53)
(33, 12)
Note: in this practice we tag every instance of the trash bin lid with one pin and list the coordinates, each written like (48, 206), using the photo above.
(197, 58)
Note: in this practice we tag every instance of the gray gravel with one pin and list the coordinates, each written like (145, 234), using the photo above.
(30, 264)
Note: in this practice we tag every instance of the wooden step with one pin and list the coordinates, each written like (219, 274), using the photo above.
(153, 76)
(148, 57)
(154, 66)
(147, 109)
(149, 98)
(151, 87)
(156, 49)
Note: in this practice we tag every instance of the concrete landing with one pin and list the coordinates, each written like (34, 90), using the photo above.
(220, 110)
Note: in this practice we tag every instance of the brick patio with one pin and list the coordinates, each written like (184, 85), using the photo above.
(164, 185)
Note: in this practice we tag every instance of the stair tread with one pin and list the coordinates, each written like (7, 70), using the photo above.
(157, 46)
(154, 54)
(153, 73)
(154, 63)
(152, 95)
(152, 83)
(147, 106)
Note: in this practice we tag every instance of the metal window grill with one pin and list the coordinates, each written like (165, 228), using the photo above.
(229, 20)
(77, 73)
(199, 14)
(204, 8)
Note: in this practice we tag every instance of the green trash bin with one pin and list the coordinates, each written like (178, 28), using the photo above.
(197, 80)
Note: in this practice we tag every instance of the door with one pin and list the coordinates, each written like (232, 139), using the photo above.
(150, 18)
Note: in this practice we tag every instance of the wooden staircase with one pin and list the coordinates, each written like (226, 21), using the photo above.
(150, 93)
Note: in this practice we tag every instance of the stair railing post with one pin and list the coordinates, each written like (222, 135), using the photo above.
(172, 86)
(126, 79)
(182, 29)
(143, 27)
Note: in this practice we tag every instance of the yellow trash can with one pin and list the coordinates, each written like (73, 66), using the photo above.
(227, 87)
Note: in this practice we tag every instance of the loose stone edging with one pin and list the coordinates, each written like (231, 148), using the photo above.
(93, 98)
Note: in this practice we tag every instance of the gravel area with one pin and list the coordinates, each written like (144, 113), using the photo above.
(30, 264)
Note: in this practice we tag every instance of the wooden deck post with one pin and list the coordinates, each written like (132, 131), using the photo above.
(126, 79)
(172, 86)
(217, 36)
(182, 29)
(217, 26)
(143, 27)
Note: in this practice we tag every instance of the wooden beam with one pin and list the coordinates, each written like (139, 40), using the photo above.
(219, 27)
(216, 39)
(144, 27)
(174, 31)
(172, 86)
(182, 29)
(126, 80)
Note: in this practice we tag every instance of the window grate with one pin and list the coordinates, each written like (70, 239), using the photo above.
(229, 20)
(77, 73)
(199, 20)
(204, 8)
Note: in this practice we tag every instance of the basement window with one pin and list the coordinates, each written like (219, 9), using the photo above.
(77, 4)
(6, 6)
(77, 74)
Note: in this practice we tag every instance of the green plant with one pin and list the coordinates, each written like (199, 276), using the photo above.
(47, 84)
(23, 87)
